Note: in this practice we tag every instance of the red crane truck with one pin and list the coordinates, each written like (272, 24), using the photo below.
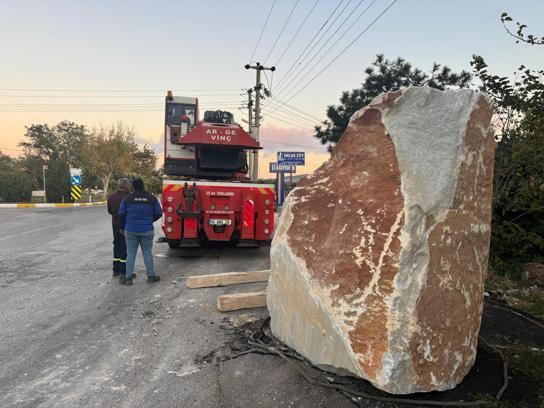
(207, 195)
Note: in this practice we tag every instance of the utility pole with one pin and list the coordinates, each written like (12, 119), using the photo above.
(257, 119)
(250, 122)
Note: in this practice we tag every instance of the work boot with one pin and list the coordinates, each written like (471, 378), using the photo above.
(153, 279)
(116, 274)
(125, 281)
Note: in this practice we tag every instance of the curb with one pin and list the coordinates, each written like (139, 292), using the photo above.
(52, 205)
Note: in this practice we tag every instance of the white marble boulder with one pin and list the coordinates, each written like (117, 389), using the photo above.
(379, 258)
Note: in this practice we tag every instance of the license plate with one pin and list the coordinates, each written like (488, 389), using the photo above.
(218, 222)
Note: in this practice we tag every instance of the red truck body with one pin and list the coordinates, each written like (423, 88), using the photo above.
(211, 198)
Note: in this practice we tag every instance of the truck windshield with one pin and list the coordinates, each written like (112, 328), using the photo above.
(222, 159)
(176, 111)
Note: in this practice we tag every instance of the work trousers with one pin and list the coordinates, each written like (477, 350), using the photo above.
(119, 251)
(145, 241)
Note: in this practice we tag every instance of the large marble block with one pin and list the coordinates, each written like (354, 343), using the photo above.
(379, 258)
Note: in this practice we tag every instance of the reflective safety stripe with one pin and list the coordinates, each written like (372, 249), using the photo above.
(116, 259)
(123, 260)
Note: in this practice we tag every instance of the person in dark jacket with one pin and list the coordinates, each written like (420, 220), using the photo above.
(138, 212)
(119, 245)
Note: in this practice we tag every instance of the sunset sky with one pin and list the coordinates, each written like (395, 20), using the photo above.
(98, 62)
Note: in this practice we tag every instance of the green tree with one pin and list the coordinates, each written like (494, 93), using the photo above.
(518, 199)
(145, 166)
(15, 184)
(64, 141)
(57, 181)
(384, 75)
(60, 147)
(110, 152)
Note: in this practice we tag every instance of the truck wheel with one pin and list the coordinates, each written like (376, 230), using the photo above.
(173, 243)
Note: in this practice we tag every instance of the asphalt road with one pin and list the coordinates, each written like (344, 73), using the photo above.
(71, 336)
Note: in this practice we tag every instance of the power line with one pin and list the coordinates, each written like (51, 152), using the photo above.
(329, 49)
(117, 90)
(303, 67)
(291, 122)
(285, 110)
(296, 33)
(278, 100)
(287, 144)
(105, 104)
(104, 96)
(262, 31)
(345, 49)
(69, 109)
(281, 32)
(294, 117)
(201, 102)
(76, 105)
(303, 54)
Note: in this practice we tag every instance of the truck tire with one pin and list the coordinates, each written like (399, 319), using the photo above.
(173, 243)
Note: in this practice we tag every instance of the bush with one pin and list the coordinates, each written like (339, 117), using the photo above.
(16, 186)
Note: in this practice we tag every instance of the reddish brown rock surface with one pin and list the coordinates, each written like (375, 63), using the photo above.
(379, 258)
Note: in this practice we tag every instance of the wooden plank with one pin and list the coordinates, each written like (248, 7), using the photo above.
(224, 279)
(237, 301)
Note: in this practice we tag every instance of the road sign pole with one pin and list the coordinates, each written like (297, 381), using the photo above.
(280, 188)
(44, 193)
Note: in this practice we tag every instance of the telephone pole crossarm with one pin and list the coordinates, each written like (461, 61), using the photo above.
(257, 117)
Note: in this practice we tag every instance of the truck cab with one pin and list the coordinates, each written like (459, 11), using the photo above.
(181, 116)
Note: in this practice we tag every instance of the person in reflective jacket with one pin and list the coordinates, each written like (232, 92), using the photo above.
(119, 246)
(138, 212)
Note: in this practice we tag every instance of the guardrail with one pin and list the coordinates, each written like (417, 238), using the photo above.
(51, 205)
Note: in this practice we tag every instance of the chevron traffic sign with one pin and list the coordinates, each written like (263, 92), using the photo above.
(75, 193)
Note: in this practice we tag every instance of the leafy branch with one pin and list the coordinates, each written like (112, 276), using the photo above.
(519, 35)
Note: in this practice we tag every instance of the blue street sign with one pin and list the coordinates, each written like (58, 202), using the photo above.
(282, 168)
(76, 180)
(293, 158)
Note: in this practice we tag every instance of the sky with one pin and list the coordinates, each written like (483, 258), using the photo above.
(100, 62)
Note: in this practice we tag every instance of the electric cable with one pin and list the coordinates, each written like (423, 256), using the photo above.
(343, 50)
(116, 90)
(262, 31)
(314, 56)
(296, 33)
(290, 112)
(291, 122)
(102, 96)
(278, 100)
(302, 56)
(281, 31)
(285, 143)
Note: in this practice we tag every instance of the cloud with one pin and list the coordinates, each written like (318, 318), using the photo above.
(155, 143)
(274, 138)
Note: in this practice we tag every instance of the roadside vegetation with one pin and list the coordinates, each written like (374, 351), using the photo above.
(103, 154)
